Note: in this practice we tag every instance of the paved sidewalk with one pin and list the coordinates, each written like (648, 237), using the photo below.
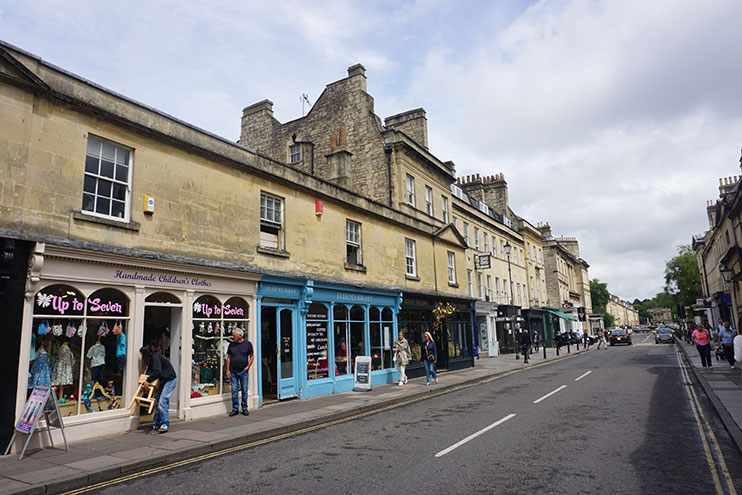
(88, 462)
(723, 386)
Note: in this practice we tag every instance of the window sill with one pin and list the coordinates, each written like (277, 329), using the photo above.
(453, 284)
(355, 268)
(79, 215)
(412, 277)
(273, 252)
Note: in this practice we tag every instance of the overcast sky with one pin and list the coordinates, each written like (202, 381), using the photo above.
(612, 120)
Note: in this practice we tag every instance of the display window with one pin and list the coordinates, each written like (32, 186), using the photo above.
(78, 346)
(213, 323)
(414, 324)
(381, 326)
(341, 326)
(317, 342)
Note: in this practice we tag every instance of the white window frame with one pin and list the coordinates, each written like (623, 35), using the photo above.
(520, 301)
(476, 238)
(480, 285)
(410, 259)
(497, 289)
(451, 267)
(429, 200)
(466, 233)
(268, 219)
(353, 241)
(470, 283)
(489, 287)
(486, 246)
(410, 187)
(294, 153)
(94, 159)
(444, 209)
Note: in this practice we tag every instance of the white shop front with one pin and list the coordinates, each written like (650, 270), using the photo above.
(87, 313)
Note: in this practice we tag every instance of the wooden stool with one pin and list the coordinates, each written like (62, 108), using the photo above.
(145, 398)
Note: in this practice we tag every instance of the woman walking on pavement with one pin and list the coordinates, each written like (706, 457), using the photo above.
(726, 339)
(430, 356)
(702, 338)
(402, 356)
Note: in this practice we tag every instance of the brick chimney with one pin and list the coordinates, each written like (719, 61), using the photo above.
(711, 213)
(491, 190)
(258, 126)
(545, 230)
(414, 123)
(357, 76)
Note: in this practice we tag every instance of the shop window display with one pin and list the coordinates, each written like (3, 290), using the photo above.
(213, 323)
(343, 358)
(78, 346)
(317, 342)
(381, 326)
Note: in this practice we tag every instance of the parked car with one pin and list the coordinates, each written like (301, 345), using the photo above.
(663, 335)
(620, 336)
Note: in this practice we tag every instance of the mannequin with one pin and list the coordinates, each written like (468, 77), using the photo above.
(97, 356)
(41, 371)
(63, 368)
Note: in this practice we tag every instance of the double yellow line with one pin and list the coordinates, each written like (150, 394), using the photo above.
(704, 430)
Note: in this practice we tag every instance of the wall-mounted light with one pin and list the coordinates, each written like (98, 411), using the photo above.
(726, 272)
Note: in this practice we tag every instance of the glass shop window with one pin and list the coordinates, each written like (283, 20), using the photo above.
(317, 342)
(381, 325)
(79, 347)
(341, 330)
(213, 324)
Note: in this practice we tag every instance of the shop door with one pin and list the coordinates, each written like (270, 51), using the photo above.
(162, 334)
(280, 322)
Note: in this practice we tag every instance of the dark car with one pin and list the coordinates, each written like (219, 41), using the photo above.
(663, 335)
(620, 336)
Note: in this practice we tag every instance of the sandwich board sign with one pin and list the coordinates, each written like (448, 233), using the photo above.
(41, 402)
(362, 380)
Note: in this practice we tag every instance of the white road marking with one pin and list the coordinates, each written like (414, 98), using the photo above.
(549, 394)
(582, 376)
(473, 436)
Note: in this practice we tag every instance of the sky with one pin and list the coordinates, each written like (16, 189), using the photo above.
(611, 120)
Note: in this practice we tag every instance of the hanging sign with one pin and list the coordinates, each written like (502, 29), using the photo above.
(41, 402)
(362, 380)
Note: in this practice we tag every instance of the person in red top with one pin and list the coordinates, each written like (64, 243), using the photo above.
(702, 338)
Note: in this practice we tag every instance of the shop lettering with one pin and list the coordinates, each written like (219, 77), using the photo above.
(165, 279)
(207, 310)
(109, 307)
(59, 304)
(230, 311)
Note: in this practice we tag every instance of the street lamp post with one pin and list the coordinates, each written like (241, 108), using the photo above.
(507, 248)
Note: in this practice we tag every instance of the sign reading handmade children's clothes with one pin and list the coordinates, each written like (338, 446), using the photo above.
(362, 380)
(41, 402)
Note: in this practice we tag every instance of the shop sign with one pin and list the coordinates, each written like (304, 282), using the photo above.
(362, 381)
(279, 291)
(317, 343)
(95, 305)
(59, 300)
(169, 279)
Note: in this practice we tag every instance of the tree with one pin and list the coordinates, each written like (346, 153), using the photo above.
(609, 320)
(599, 295)
(682, 279)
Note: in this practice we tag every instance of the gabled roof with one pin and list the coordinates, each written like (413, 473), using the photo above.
(451, 234)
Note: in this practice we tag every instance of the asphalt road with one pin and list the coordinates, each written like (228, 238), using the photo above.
(617, 421)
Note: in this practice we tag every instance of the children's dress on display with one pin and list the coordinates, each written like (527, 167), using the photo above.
(63, 366)
(41, 371)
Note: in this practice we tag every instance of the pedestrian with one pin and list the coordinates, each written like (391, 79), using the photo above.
(702, 338)
(737, 345)
(602, 340)
(536, 340)
(525, 345)
(402, 356)
(158, 367)
(240, 357)
(585, 340)
(726, 340)
(430, 356)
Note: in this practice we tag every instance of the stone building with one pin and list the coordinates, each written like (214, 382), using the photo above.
(122, 226)
(718, 254)
(623, 312)
(661, 315)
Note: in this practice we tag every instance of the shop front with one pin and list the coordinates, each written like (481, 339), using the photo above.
(312, 332)
(534, 322)
(454, 337)
(87, 314)
(486, 315)
(508, 326)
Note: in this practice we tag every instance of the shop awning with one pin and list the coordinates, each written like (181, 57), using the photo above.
(561, 315)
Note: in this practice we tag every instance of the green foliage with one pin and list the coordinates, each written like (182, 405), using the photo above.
(643, 310)
(682, 279)
(608, 320)
(599, 295)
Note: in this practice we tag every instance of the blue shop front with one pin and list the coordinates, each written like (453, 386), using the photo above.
(310, 333)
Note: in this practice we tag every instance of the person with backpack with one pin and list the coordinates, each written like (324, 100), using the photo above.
(702, 339)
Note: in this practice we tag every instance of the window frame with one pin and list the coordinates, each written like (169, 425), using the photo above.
(269, 223)
(429, 200)
(451, 267)
(410, 258)
(294, 152)
(410, 189)
(349, 244)
(98, 177)
(444, 209)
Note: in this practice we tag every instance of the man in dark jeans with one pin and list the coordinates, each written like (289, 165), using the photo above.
(525, 344)
(240, 357)
(159, 368)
